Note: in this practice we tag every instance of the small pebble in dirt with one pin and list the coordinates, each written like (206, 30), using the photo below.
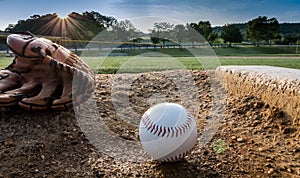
(270, 171)
(208, 117)
(9, 143)
(240, 139)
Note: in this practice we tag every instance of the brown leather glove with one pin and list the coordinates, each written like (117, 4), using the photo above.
(44, 75)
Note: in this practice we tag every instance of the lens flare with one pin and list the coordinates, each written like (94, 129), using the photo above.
(68, 26)
(62, 15)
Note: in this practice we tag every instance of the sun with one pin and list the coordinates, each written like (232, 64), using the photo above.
(62, 15)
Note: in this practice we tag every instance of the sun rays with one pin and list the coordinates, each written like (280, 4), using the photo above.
(68, 26)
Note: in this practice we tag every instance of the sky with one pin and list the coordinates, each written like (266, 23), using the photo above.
(144, 12)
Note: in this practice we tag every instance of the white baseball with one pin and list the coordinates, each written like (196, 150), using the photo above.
(167, 132)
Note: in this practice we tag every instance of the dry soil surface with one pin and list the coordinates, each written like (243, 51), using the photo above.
(255, 139)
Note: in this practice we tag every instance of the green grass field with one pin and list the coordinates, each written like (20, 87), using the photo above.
(165, 59)
(127, 64)
(258, 51)
(219, 51)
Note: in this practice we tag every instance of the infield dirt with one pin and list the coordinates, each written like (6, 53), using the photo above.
(261, 140)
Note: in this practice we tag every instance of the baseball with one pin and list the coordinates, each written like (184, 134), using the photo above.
(167, 132)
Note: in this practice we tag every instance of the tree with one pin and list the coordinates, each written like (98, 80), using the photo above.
(291, 39)
(212, 37)
(104, 20)
(231, 34)
(10, 28)
(35, 16)
(123, 31)
(192, 35)
(203, 27)
(163, 27)
(262, 29)
(179, 33)
(155, 40)
(161, 32)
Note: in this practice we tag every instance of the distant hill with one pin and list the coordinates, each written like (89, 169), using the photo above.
(289, 28)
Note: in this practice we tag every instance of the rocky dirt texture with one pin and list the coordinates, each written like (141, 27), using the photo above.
(257, 138)
(275, 85)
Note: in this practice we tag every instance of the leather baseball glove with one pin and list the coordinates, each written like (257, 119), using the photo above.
(44, 75)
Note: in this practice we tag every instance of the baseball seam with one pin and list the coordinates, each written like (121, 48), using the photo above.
(166, 131)
(175, 158)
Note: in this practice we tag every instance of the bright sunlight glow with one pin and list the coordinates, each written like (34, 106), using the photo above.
(67, 26)
(63, 15)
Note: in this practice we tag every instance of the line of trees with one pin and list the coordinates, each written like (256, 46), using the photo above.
(259, 30)
(87, 25)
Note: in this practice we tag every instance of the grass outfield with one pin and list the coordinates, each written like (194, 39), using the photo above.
(219, 51)
(129, 64)
(113, 64)
(181, 58)
(285, 61)
(258, 51)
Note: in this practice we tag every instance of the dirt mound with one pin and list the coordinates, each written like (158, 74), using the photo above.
(253, 138)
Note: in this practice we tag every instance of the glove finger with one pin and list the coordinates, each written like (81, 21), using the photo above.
(12, 97)
(6, 100)
(27, 90)
(44, 98)
(9, 81)
(77, 90)
(64, 102)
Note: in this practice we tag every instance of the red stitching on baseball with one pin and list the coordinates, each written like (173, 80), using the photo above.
(186, 126)
(153, 126)
(164, 132)
(156, 129)
(147, 124)
(150, 125)
(145, 118)
(181, 128)
(160, 130)
(175, 158)
(171, 131)
(176, 131)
